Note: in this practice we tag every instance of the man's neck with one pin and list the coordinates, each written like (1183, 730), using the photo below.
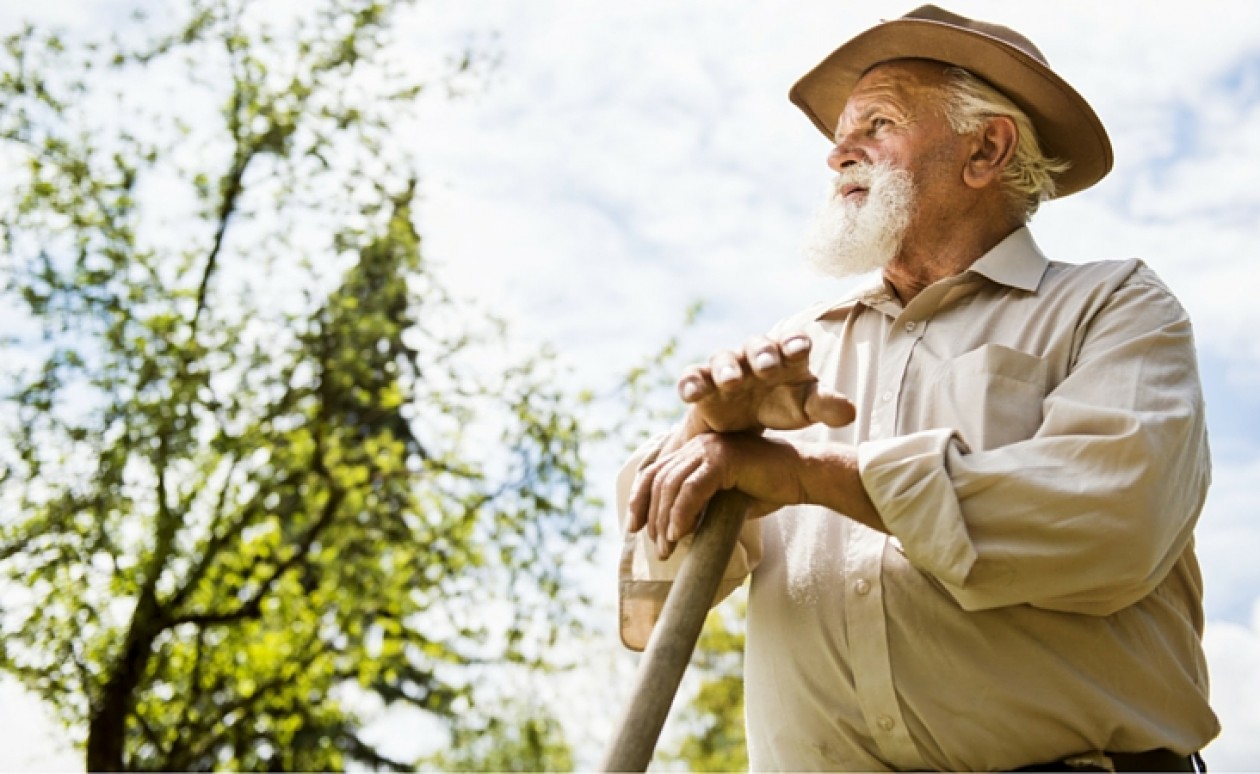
(925, 260)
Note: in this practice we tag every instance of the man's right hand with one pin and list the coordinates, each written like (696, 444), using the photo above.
(765, 386)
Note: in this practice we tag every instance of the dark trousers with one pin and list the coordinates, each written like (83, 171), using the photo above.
(1154, 760)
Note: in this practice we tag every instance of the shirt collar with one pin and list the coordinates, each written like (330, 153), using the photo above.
(1016, 262)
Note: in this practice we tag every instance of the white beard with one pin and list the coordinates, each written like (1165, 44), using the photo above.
(847, 238)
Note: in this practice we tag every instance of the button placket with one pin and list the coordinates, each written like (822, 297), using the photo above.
(892, 372)
(868, 637)
(865, 624)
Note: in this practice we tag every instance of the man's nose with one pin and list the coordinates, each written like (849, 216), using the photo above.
(845, 154)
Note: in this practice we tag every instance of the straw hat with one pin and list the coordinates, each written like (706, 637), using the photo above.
(1067, 126)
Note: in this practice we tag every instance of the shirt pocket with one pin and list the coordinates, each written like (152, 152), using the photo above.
(991, 396)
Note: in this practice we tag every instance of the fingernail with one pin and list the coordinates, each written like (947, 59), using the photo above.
(727, 373)
(690, 390)
(672, 534)
(763, 361)
(795, 345)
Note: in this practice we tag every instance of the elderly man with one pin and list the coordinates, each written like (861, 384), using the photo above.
(975, 481)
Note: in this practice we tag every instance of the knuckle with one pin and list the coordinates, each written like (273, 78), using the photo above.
(670, 481)
(690, 485)
(713, 446)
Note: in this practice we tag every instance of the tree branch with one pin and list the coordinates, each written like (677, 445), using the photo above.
(251, 608)
(194, 686)
(230, 187)
(363, 752)
(217, 539)
(181, 759)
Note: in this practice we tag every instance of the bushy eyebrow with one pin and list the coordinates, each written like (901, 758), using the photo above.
(877, 105)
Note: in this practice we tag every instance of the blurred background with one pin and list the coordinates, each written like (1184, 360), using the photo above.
(326, 324)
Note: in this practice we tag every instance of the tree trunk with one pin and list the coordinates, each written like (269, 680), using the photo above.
(107, 728)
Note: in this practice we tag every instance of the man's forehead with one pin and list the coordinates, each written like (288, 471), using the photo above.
(907, 77)
(907, 83)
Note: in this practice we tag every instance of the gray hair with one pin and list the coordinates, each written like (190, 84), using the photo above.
(1029, 177)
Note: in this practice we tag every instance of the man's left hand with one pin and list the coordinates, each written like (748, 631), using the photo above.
(670, 494)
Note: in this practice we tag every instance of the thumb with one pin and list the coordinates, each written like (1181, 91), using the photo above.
(828, 407)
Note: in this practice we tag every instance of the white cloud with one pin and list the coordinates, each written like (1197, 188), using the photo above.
(1233, 652)
(30, 739)
(1228, 542)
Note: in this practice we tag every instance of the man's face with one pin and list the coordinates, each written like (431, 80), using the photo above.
(895, 115)
(897, 164)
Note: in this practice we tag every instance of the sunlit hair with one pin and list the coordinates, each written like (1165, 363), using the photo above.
(1029, 177)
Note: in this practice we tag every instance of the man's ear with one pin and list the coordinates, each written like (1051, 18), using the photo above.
(992, 150)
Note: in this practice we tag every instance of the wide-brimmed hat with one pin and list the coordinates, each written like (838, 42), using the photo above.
(1067, 126)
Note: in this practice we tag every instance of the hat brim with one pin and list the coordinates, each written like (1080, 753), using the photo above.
(1067, 126)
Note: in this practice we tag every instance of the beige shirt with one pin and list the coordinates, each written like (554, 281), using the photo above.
(1033, 435)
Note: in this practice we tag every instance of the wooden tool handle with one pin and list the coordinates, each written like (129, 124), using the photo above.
(674, 637)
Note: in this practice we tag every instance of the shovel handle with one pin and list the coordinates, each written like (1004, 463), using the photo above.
(674, 637)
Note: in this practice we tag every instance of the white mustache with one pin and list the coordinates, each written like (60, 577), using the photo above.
(861, 174)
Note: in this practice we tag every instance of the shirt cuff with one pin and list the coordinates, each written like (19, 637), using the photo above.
(644, 580)
(907, 480)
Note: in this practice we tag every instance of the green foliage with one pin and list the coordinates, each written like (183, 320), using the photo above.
(515, 739)
(714, 719)
(256, 462)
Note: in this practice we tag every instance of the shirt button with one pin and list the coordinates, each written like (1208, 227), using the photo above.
(887, 396)
(910, 326)
(862, 587)
(886, 723)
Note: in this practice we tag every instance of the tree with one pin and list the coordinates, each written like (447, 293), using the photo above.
(257, 464)
(524, 738)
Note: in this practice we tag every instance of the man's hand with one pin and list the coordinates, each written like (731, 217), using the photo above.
(765, 386)
(669, 495)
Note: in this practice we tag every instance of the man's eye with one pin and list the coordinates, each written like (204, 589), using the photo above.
(880, 122)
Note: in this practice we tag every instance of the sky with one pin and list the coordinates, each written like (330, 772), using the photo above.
(626, 159)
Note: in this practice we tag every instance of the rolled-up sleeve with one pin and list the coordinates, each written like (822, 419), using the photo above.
(644, 580)
(1090, 513)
